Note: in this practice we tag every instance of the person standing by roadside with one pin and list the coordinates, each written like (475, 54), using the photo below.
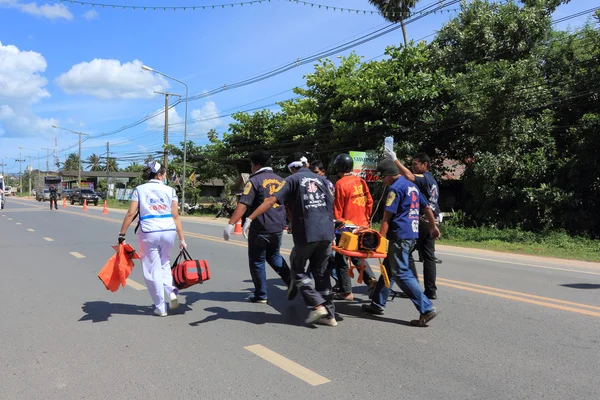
(264, 238)
(53, 197)
(400, 225)
(311, 203)
(159, 225)
(425, 244)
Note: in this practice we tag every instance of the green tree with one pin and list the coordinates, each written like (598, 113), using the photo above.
(395, 11)
(71, 163)
(112, 165)
(94, 162)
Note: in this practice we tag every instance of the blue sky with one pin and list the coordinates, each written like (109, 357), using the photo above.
(78, 67)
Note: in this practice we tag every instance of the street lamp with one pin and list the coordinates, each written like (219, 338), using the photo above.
(147, 68)
(77, 133)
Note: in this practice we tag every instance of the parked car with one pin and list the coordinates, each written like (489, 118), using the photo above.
(7, 190)
(79, 195)
(43, 195)
(67, 193)
(102, 195)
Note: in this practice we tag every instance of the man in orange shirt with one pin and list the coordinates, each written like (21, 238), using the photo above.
(353, 204)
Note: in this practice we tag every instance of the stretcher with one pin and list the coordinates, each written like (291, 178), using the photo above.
(363, 255)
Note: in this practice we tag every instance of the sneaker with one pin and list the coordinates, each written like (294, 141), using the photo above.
(343, 296)
(292, 290)
(174, 301)
(425, 318)
(254, 299)
(316, 315)
(327, 321)
(372, 309)
(159, 313)
(438, 261)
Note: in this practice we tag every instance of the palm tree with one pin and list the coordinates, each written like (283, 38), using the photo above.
(94, 161)
(71, 163)
(112, 165)
(395, 11)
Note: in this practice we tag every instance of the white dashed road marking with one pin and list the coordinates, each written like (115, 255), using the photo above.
(287, 365)
(76, 254)
(10, 219)
(31, 230)
(48, 239)
(135, 285)
(18, 223)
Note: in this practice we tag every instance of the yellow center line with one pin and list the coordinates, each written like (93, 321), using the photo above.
(287, 365)
(134, 284)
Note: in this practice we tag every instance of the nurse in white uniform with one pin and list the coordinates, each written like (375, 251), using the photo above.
(159, 225)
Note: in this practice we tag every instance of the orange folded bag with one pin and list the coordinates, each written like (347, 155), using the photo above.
(117, 269)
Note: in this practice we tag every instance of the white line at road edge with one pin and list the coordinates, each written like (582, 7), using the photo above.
(287, 365)
(76, 254)
(48, 239)
(518, 263)
(135, 285)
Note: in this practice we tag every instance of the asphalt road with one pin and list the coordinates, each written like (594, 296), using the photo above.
(510, 327)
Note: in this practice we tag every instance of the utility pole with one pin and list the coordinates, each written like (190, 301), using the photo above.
(79, 167)
(30, 169)
(20, 160)
(166, 136)
(47, 159)
(107, 169)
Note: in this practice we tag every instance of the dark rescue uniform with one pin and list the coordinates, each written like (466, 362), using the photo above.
(310, 198)
(264, 238)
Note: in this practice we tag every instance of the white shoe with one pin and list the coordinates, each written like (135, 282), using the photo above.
(316, 315)
(174, 301)
(159, 313)
(327, 321)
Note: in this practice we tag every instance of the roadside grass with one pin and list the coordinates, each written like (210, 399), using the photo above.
(550, 244)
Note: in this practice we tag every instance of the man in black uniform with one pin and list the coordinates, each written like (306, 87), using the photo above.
(53, 197)
(264, 238)
(311, 202)
(425, 243)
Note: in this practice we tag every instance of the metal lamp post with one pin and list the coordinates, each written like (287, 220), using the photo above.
(146, 68)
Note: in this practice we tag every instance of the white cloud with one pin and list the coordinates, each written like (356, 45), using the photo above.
(21, 86)
(90, 15)
(158, 122)
(205, 118)
(107, 79)
(54, 11)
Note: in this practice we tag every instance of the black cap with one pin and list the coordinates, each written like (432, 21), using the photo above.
(387, 168)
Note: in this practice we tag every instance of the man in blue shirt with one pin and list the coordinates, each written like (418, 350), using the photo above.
(425, 244)
(310, 200)
(400, 225)
(264, 238)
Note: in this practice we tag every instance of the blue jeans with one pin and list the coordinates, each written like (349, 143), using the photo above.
(264, 247)
(396, 265)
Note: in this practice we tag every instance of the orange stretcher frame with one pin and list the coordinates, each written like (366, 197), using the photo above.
(363, 255)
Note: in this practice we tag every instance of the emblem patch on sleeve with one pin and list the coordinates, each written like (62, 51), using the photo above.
(247, 188)
(390, 199)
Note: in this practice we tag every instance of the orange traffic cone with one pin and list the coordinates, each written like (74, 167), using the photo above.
(84, 205)
(64, 202)
(105, 210)
(238, 227)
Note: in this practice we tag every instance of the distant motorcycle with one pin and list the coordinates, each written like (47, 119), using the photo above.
(227, 208)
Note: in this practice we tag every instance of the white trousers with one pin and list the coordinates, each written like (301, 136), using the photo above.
(155, 252)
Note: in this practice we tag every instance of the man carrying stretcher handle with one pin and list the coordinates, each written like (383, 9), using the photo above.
(400, 225)
(310, 198)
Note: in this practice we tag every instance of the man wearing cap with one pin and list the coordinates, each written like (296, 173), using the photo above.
(400, 225)
(264, 238)
(425, 244)
(310, 199)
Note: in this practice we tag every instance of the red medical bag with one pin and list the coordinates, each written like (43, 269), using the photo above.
(189, 272)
